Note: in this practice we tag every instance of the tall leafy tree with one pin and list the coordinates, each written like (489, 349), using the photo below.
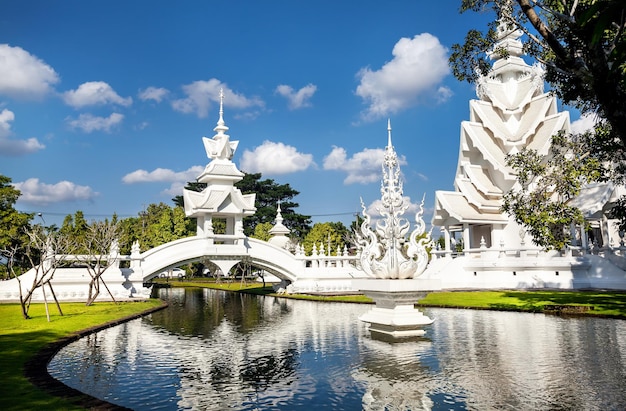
(582, 45)
(268, 194)
(13, 226)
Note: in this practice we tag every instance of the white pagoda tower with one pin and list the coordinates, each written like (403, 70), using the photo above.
(220, 199)
(512, 113)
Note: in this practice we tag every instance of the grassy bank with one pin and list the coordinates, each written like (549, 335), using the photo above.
(20, 339)
(607, 304)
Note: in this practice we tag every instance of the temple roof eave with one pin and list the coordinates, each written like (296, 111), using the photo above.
(460, 211)
(210, 201)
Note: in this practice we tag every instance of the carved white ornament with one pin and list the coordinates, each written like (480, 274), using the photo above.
(383, 251)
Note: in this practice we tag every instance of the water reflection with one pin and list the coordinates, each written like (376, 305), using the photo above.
(214, 350)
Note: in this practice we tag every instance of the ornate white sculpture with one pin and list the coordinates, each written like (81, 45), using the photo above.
(384, 253)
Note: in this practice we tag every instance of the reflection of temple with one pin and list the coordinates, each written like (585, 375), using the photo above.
(513, 113)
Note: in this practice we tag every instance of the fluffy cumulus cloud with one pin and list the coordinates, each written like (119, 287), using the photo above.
(162, 175)
(274, 159)
(94, 93)
(90, 123)
(23, 75)
(12, 147)
(202, 94)
(153, 93)
(584, 123)
(177, 179)
(363, 167)
(297, 99)
(414, 74)
(37, 193)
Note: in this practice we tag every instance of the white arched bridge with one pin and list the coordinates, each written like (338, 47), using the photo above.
(316, 274)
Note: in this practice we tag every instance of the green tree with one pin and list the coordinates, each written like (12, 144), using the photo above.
(74, 228)
(582, 44)
(161, 224)
(262, 231)
(268, 194)
(13, 226)
(331, 235)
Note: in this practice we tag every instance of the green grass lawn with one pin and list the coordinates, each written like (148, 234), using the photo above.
(610, 304)
(20, 339)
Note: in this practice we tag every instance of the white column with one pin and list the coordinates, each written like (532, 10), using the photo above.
(583, 238)
(200, 226)
(604, 228)
(446, 235)
(466, 237)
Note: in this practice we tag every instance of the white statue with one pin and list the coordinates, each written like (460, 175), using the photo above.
(384, 253)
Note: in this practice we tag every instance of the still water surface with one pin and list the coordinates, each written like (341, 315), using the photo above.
(212, 350)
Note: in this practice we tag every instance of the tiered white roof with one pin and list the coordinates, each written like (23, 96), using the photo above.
(512, 112)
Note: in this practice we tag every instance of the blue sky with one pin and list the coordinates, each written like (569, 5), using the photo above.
(103, 104)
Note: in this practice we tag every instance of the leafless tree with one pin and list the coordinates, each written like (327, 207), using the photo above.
(41, 252)
(100, 246)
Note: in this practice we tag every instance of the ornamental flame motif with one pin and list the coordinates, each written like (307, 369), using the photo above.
(384, 251)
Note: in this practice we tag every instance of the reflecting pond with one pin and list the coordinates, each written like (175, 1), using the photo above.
(212, 350)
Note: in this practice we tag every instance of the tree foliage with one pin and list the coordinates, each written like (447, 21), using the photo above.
(582, 44)
(13, 226)
(262, 231)
(326, 235)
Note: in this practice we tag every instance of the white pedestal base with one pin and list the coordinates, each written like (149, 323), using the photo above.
(395, 313)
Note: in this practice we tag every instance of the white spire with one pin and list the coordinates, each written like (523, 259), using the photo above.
(389, 132)
(221, 127)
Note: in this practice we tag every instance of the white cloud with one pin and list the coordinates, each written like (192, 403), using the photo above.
(35, 192)
(89, 123)
(23, 75)
(200, 95)
(94, 93)
(153, 93)
(275, 158)
(409, 214)
(363, 167)
(10, 147)
(297, 99)
(162, 175)
(584, 123)
(415, 73)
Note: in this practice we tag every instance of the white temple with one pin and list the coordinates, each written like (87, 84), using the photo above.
(513, 112)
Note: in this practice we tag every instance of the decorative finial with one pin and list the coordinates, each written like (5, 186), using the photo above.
(221, 120)
(389, 132)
